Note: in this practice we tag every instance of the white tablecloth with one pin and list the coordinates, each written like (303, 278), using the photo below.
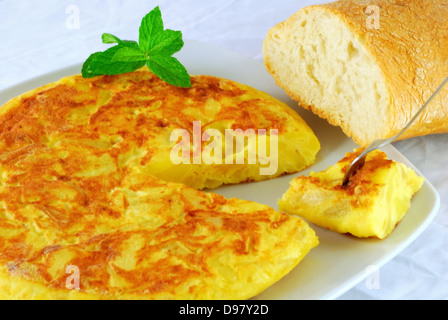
(38, 36)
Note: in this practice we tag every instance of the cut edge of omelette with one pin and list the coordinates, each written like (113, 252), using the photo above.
(374, 201)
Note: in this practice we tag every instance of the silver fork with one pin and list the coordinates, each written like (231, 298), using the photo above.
(359, 160)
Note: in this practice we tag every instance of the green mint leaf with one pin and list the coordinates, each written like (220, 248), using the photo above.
(155, 49)
(127, 51)
(110, 38)
(130, 43)
(119, 59)
(170, 70)
(85, 72)
(166, 42)
(151, 25)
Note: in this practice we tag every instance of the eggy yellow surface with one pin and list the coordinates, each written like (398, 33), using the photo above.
(376, 198)
(84, 165)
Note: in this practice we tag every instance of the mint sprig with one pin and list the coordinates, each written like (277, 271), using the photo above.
(154, 49)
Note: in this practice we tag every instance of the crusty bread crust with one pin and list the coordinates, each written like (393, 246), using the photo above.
(411, 49)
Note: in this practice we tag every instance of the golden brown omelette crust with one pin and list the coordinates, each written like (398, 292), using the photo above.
(69, 196)
(48, 210)
(361, 182)
(127, 106)
(134, 115)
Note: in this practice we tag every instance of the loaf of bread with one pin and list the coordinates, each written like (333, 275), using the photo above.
(366, 66)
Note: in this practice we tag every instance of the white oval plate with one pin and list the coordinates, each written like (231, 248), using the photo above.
(340, 261)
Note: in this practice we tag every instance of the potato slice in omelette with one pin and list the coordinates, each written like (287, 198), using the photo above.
(84, 193)
(373, 202)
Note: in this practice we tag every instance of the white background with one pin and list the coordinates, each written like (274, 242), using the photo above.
(41, 36)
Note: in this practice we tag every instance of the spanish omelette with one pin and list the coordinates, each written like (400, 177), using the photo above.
(85, 182)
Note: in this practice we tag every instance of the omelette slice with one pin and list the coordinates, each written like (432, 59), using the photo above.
(87, 214)
(373, 202)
